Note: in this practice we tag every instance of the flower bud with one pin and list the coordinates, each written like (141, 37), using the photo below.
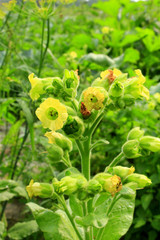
(94, 187)
(70, 184)
(116, 90)
(71, 82)
(141, 180)
(135, 133)
(150, 143)
(73, 127)
(131, 149)
(43, 190)
(60, 140)
(66, 185)
(113, 185)
(57, 85)
(122, 172)
(128, 99)
(55, 153)
(101, 178)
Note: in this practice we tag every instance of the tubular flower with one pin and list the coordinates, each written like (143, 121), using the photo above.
(93, 98)
(122, 172)
(38, 85)
(59, 139)
(134, 86)
(110, 74)
(43, 190)
(52, 114)
(113, 185)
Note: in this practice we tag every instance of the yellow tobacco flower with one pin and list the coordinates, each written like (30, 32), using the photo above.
(113, 185)
(134, 86)
(38, 85)
(52, 114)
(110, 74)
(106, 30)
(33, 189)
(93, 98)
(73, 54)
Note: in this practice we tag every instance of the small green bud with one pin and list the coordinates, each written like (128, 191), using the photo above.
(71, 82)
(57, 86)
(122, 172)
(43, 190)
(94, 187)
(150, 143)
(128, 99)
(55, 153)
(140, 179)
(131, 149)
(60, 140)
(113, 185)
(135, 133)
(101, 178)
(73, 127)
(116, 90)
(66, 185)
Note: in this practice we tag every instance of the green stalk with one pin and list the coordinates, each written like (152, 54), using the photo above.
(43, 54)
(116, 160)
(63, 203)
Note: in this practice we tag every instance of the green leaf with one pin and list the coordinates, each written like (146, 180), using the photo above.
(20, 191)
(146, 200)
(131, 55)
(5, 196)
(140, 222)
(111, 7)
(120, 218)
(56, 225)
(22, 230)
(100, 59)
(2, 228)
(76, 206)
(5, 184)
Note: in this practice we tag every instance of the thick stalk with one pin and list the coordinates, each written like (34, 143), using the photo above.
(63, 203)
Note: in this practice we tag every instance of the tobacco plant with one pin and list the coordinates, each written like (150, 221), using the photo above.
(84, 206)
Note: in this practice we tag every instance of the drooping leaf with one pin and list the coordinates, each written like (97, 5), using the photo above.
(22, 230)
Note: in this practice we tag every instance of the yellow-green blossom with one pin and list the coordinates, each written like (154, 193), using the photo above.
(93, 98)
(110, 74)
(5, 7)
(43, 190)
(52, 114)
(113, 185)
(106, 30)
(134, 86)
(38, 85)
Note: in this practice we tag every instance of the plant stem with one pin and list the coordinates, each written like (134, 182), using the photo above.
(116, 160)
(62, 201)
(43, 54)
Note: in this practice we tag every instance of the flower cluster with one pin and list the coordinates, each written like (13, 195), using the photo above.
(6, 7)
(138, 145)
(110, 182)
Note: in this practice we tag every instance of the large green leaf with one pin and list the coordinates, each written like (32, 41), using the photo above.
(55, 225)
(21, 230)
(2, 228)
(5, 196)
(120, 218)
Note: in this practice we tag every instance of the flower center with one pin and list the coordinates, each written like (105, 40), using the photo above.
(52, 113)
(93, 98)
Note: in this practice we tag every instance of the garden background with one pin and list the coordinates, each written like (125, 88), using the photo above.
(90, 37)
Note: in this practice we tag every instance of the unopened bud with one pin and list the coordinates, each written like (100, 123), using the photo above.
(150, 143)
(122, 172)
(94, 187)
(141, 180)
(116, 90)
(131, 149)
(74, 127)
(101, 178)
(135, 133)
